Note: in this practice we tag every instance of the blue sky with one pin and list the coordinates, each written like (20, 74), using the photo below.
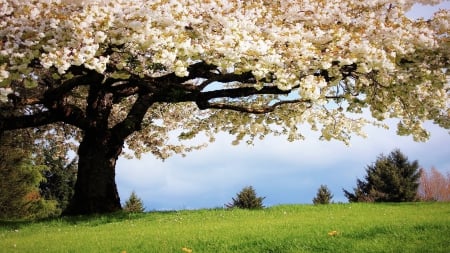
(282, 171)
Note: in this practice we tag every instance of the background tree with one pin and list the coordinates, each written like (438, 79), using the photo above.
(134, 204)
(247, 199)
(323, 195)
(434, 186)
(110, 73)
(391, 178)
(19, 180)
(360, 193)
(60, 176)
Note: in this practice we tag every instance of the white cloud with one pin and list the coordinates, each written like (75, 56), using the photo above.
(284, 172)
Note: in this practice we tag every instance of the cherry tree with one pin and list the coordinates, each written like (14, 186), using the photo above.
(119, 76)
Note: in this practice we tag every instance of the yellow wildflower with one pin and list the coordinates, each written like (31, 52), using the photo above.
(333, 233)
(187, 250)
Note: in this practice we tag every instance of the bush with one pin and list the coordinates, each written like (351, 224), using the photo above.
(246, 199)
(323, 196)
(134, 204)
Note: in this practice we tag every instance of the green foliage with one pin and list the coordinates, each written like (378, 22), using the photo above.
(247, 199)
(360, 227)
(323, 195)
(134, 204)
(60, 177)
(19, 180)
(391, 178)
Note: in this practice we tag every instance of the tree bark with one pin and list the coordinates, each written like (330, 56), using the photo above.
(95, 189)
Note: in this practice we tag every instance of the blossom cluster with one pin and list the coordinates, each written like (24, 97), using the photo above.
(302, 35)
(288, 41)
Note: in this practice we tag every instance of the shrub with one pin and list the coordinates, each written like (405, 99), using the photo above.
(246, 199)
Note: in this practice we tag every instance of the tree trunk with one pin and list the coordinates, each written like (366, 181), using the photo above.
(95, 189)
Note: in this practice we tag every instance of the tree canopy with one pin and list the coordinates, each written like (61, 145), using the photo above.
(114, 73)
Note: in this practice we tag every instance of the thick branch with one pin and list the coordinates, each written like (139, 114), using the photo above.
(196, 71)
(60, 113)
(72, 115)
(253, 110)
(123, 89)
(203, 98)
(132, 122)
(200, 70)
(25, 121)
(67, 86)
(246, 77)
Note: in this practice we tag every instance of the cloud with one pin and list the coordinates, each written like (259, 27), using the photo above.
(284, 172)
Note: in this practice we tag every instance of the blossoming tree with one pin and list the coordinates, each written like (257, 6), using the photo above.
(112, 74)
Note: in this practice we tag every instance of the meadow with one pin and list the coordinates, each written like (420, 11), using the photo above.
(356, 227)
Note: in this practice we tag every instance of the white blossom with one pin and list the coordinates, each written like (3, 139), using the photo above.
(320, 50)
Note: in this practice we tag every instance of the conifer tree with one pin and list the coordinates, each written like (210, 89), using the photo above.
(19, 180)
(247, 199)
(134, 204)
(323, 195)
(60, 176)
(391, 178)
(359, 192)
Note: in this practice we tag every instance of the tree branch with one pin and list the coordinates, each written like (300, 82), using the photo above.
(62, 90)
(203, 98)
(134, 118)
(25, 121)
(253, 110)
(72, 115)
(246, 77)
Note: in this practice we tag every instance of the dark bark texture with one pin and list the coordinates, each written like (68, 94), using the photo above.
(95, 189)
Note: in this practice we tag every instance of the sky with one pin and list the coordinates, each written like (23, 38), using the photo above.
(283, 172)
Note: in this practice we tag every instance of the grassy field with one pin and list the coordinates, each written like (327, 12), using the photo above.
(408, 227)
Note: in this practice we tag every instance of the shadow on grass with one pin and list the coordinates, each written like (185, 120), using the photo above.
(89, 220)
(13, 224)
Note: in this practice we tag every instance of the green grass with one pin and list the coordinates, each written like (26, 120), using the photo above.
(407, 227)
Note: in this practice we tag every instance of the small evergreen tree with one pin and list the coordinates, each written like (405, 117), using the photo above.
(246, 199)
(134, 204)
(323, 195)
(391, 178)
